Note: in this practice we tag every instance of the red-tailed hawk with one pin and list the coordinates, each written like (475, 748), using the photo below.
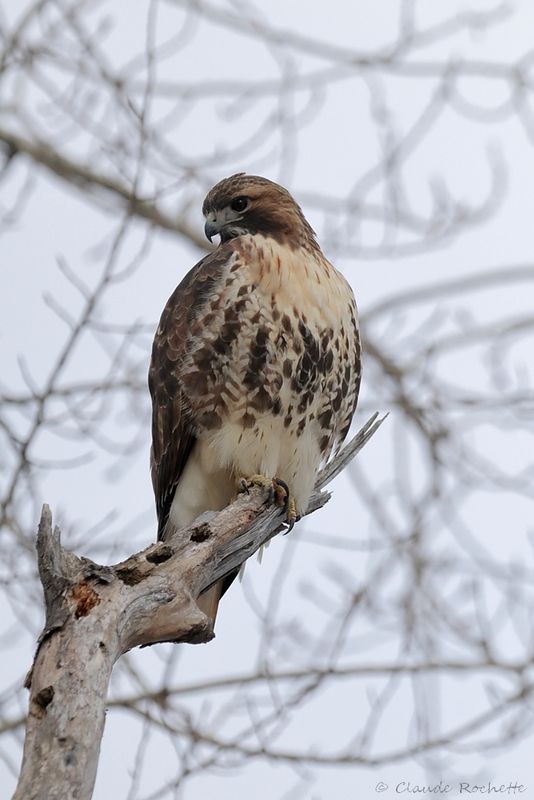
(256, 361)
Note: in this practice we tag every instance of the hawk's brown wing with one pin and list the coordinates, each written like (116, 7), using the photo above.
(173, 426)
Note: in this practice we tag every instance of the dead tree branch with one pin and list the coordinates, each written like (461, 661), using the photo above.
(84, 178)
(95, 614)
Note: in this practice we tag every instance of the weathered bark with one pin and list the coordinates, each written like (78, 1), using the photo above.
(96, 613)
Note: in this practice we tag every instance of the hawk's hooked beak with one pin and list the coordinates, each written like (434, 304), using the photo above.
(211, 228)
(223, 221)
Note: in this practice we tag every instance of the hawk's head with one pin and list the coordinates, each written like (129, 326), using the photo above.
(245, 204)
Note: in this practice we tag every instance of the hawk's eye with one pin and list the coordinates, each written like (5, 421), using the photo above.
(239, 204)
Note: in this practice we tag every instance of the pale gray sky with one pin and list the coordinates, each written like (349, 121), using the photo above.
(333, 148)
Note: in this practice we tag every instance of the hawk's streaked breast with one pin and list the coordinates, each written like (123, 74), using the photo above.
(271, 365)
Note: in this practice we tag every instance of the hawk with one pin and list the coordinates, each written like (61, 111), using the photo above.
(255, 366)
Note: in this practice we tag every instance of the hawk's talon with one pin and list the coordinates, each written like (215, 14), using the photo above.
(287, 501)
(291, 514)
(246, 484)
(279, 493)
(243, 486)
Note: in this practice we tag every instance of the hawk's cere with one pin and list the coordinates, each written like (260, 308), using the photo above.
(256, 361)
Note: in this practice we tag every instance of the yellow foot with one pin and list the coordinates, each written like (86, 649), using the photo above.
(278, 493)
(291, 514)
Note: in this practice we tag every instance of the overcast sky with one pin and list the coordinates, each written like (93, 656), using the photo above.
(333, 148)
